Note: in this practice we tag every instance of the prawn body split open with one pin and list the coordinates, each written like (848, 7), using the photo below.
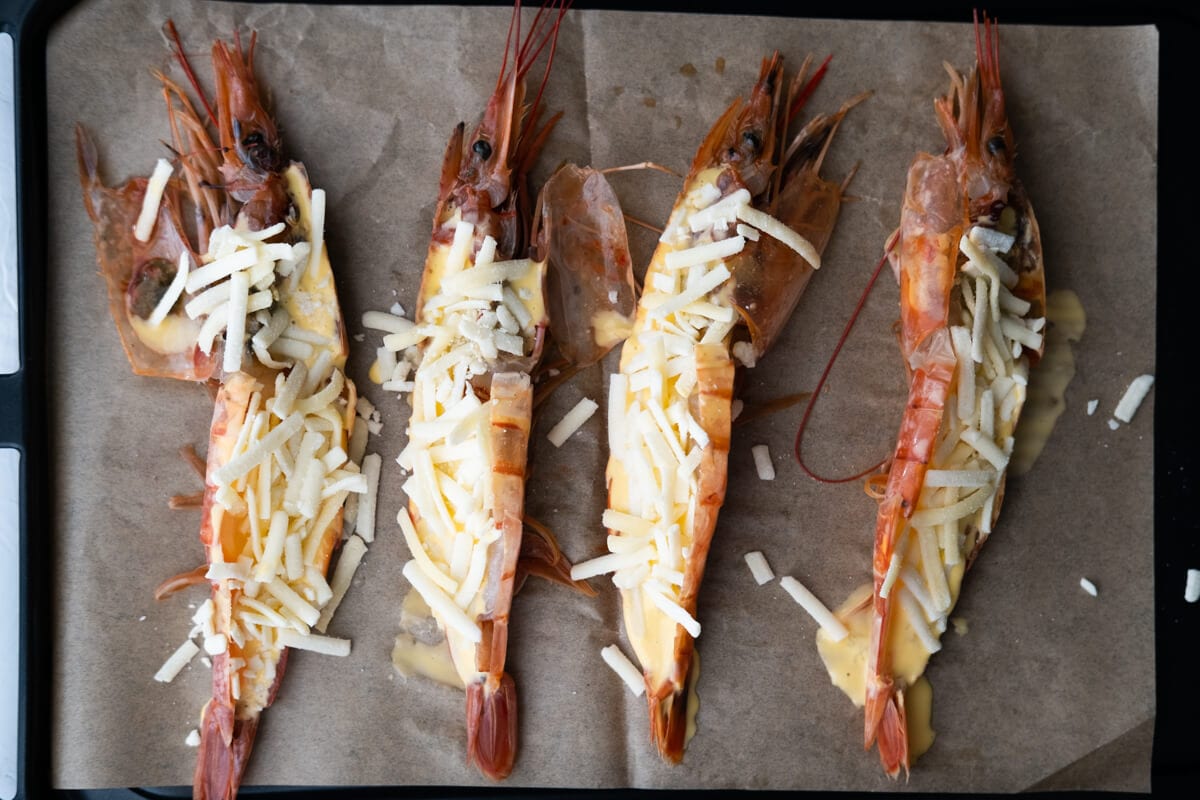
(972, 303)
(719, 289)
(244, 201)
(484, 318)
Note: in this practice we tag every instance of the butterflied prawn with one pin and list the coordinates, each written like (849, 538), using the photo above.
(484, 319)
(250, 304)
(738, 250)
(972, 306)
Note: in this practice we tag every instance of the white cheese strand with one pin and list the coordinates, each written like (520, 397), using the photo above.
(176, 662)
(572, 421)
(785, 235)
(621, 665)
(173, 293)
(235, 330)
(440, 603)
(317, 232)
(327, 645)
(832, 626)
(152, 200)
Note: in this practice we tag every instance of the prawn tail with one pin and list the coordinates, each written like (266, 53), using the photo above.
(887, 726)
(225, 744)
(492, 725)
(668, 721)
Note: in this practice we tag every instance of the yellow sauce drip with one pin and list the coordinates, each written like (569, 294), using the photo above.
(693, 697)
(411, 656)
(846, 661)
(175, 334)
(610, 328)
(1048, 381)
(960, 625)
(375, 374)
(918, 711)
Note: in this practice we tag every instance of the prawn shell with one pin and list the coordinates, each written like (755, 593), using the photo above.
(114, 212)
(589, 289)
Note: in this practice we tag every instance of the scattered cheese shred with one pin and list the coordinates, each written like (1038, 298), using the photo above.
(1088, 587)
(365, 524)
(1133, 397)
(1191, 592)
(832, 626)
(152, 200)
(572, 422)
(621, 665)
(178, 660)
(762, 462)
(759, 567)
(1091, 406)
(193, 738)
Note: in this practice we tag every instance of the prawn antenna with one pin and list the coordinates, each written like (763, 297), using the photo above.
(551, 37)
(808, 89)
(177, 48)
(812, 401)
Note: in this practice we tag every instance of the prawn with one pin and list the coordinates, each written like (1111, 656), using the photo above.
(972, 306)
(741, 244)
(250, 304)
(485, 316)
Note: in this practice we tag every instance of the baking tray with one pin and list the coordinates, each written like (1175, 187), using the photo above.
(23, 418)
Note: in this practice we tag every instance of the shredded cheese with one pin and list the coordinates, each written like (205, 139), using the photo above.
(762, 462)
(759, 567)
(1133, 397)
(572, 421)
(176, 662)
(624, 668)
(832, 626)
(152, 200)
(1088, 587)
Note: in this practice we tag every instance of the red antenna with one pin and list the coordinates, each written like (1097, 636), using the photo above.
(812, 401)
(173, 35)
(809, 87)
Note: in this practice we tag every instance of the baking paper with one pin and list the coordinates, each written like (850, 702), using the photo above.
(1045, 678)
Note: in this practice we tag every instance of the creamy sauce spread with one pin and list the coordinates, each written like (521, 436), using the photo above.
(1048, 381)
(175, 334)
(918, 712)
(421, 648)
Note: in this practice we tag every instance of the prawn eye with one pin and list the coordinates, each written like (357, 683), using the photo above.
(752, 141)
(995, 145)
(482, 149)
(258, 151)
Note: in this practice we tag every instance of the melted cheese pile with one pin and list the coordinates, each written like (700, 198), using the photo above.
(956, 507)
(476, 313)
(284, 482)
